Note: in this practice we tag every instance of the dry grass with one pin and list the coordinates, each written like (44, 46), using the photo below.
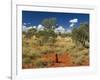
(32, 51)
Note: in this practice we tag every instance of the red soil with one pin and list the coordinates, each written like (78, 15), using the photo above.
(63, 60)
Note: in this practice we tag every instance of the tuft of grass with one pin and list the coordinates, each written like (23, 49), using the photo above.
(26, 60)
(46, 49)
(34, 55)
(40, 63)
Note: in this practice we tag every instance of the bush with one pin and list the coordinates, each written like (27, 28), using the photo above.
(58, 50)
(40, 63)
(46, 49)
(26, 60)
(34, 55)
(46, 36)
(25, 51)
(31, 53)
(81, 35)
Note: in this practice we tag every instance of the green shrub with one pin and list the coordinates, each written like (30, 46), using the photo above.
(25, 51)
(40, 63)
(46, 49)
(26, 60)
(31, 53)
(81, 35)
(34, 55)
(60, 50)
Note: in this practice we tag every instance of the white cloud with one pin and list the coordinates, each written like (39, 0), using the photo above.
(68, 30)
(30, 27)
(34, 27)
(72, 24)
(40, 27)
(24, 28)
(59, 29)
(24, 23)
(75, 20)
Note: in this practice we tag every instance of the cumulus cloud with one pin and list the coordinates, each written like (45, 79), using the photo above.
(72, 24)
(40, 27)
(25, 28)
(34, 27)
(30, 27)
(59, 29)
(75, 20)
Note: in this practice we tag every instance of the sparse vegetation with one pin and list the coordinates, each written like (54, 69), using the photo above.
(44, 48)
(40, 63)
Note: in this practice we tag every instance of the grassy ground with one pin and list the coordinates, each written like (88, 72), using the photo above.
(43, 56)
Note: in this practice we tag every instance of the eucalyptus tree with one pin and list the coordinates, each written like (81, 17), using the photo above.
(49, 23)
(81, 35)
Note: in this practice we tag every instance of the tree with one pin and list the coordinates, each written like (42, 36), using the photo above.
(46, 36)
(81, 35)
(84, 34)
(57, 58)
(30, 33)
(49, 23)
(74, 35)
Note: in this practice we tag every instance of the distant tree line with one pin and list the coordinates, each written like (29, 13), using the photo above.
(80, 35)
(50, 25)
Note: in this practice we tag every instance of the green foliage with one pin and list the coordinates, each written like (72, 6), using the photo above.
(49, 23)
(30, 33)
(26, 60)
(46, 49)
(46, 36)
(81, 35)
(23, 32)
(66, 35)
(59, 50)
(30, 53)
(34, 55)
(25, 51)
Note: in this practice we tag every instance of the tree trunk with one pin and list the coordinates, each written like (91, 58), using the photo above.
(56, 58)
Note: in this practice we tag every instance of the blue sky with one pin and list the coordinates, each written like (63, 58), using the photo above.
(34, 18)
